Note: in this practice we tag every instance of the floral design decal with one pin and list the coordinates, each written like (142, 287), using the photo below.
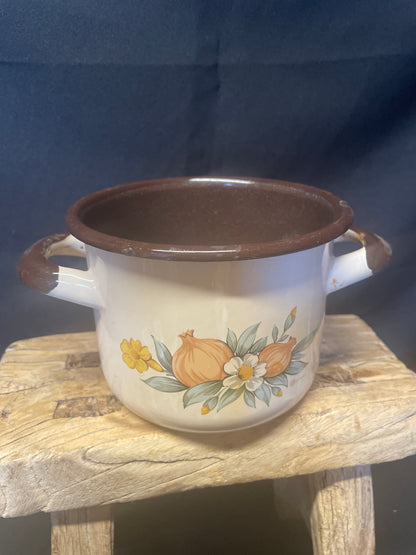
(215, 373)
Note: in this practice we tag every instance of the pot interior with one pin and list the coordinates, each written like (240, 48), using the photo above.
(208, 218)
(217, 212)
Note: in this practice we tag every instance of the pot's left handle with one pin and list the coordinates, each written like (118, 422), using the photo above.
(38, 272)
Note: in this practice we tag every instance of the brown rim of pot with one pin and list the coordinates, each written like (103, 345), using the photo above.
(342, 220)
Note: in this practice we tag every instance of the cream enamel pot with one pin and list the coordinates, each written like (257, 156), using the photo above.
(208, 293)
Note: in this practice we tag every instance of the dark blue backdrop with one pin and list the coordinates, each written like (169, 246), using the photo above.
(99, 93)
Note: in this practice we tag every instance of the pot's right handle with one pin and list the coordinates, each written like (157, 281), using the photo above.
(38, 272)
(346, 269)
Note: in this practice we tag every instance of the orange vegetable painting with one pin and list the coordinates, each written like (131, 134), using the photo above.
(216, 373)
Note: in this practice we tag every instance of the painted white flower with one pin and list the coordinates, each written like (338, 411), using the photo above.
(244, 371)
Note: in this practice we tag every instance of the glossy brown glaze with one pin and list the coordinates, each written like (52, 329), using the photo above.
(211, 218)
(377, 250)
(35, 270)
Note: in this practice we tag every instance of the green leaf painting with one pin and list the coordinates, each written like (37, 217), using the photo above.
(304, 343)
(263, 393)
(297, 356)
(168, 385)
(288, 322)
(209, 405)
(280, 379)
(201, 392)
(250, 399)
(232, 340)
(246, 340)
(163, 354)
(229, 396)
(258, 345)
(295, 367)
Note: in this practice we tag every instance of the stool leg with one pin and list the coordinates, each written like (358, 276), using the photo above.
(87, 531)
(342, 511)
(337, 506)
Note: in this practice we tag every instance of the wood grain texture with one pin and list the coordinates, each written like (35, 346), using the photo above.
(337, 506)
(361, 410)
(342, 511)
(87, 531)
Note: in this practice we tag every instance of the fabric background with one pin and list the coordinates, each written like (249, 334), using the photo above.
(95, 94)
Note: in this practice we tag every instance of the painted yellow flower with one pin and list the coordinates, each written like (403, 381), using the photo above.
(138, 356)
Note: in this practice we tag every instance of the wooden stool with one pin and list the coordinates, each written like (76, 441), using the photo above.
(68, 447)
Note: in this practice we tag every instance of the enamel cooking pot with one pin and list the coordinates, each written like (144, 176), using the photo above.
(208, 293)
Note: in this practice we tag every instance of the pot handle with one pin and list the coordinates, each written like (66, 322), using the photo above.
(346, 269)
(38, 272)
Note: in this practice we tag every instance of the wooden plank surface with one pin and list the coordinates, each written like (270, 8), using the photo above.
(67, 442)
